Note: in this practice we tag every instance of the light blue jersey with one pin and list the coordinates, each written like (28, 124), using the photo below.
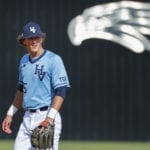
(40, 77)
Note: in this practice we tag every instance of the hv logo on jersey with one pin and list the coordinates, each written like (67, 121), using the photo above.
(39, 71)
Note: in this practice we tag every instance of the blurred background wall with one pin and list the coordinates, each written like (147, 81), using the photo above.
(109, 97)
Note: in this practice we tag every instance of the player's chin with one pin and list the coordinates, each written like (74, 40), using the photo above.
(34, 49)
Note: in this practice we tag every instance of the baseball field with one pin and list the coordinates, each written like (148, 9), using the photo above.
(88, 145)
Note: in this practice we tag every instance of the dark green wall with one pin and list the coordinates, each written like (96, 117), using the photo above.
(109, 98)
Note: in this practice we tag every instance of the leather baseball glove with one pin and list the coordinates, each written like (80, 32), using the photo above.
(42, 136)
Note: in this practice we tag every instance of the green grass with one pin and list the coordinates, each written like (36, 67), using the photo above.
(70, 145)
(89, 145)
(6, 145)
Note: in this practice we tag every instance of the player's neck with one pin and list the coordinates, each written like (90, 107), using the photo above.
(37, 53)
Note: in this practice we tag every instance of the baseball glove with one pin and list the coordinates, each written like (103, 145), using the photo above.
(42, 136)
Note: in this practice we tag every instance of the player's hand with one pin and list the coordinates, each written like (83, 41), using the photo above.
(45, 123)
(6, 124)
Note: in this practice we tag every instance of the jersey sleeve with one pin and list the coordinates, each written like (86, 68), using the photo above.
(20, 76)
(59, 74)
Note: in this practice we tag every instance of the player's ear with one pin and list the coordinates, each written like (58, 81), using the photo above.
(23, 42)
(42, 40)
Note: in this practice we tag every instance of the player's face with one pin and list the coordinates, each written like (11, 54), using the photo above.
(33, 44)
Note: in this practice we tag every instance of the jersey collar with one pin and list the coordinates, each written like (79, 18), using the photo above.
(36, 59)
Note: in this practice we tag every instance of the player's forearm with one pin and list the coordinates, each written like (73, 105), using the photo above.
(18, 99)
(57, 102)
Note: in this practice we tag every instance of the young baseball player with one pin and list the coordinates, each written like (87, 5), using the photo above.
(43, 82)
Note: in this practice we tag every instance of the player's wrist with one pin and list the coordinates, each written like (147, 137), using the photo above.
(52, 113)
(12, 110)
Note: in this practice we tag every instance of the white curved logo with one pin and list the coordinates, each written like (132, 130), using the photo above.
(126, 23)
(32, 29)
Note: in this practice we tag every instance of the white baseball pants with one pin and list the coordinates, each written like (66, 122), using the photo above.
(30, 121)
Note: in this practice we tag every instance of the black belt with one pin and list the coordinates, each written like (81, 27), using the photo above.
(41, 109)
